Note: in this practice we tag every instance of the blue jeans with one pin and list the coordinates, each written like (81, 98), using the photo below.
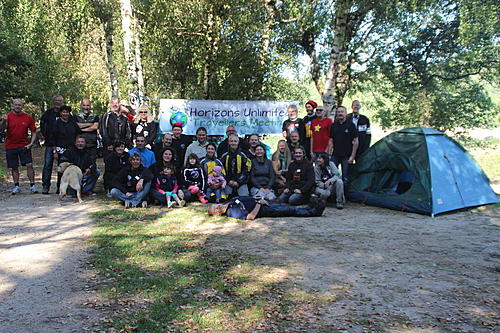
(137, 197)
(217, 191)
(274, 209)
(89, 181)
(242, 190)
(344, 162)
(48, 162)
(293, 198)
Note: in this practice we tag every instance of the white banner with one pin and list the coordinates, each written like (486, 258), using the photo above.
(261, 117)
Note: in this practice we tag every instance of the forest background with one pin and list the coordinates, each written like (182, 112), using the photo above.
(430, 63)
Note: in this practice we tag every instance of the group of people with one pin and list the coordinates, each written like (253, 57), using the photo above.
(236, 174)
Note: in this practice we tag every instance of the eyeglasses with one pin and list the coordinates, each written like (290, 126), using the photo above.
(143, 112)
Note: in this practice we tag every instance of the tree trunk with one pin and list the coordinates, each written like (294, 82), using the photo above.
(213, 39)
(103, 11)
(110, 64)
(338, 53)
(131, 47)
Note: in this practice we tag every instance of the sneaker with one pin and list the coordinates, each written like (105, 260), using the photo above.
(45, 190)
(128, 204)
(170, 204)
(182, 203)
(144, 204)
(108, 194)
(16, 190)
(33, 189)
(340, 205)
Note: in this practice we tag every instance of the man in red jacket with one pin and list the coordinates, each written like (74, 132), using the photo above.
(17, 145)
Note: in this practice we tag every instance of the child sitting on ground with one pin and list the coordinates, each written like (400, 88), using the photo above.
(165, 187)
(216, 182)
(194, 178)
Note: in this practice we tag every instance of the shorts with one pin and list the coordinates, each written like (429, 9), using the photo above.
(172, 194)
(16, 155)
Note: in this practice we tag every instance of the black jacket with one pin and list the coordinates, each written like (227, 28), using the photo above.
(64, 134)
(112, 166)
(126, 180)
(47, 123)
(148, 130)
(364, 133)
(114, 127)
(78, 157)
(223, 147)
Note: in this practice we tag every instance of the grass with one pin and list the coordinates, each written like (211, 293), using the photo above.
(156, 277)
(489, 160)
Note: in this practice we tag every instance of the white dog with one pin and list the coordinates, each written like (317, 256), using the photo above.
(72, 177)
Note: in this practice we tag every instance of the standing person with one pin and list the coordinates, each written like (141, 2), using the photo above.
(47, 122)
(63, 136)
(328, 180)
(165, 187)
(126, 110)
(79, 156)
(198, 147)
(262, 175)
(292, 124)
(144, 125)
(294, 142)
(180, 142)
(89, 124)
(281, 160)
(114, 126)
(194, 178)
(147, 156)
(131, 185)
(216, 183)
(237, 166)
(223, 147)
(17, 146)
(320, 127)
(114, 162)
(306, 125)
(344, 141)
(299, 180)
(362, 124)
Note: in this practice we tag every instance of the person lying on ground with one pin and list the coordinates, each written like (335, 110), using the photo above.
(250, 208)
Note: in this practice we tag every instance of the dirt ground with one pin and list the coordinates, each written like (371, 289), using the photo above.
(381, 270)
(374, 269)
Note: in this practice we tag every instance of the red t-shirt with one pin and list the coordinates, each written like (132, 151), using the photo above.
(17, 130)
(320, 133)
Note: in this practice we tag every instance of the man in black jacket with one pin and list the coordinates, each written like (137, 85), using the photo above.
(131, 185)
(114, 126)
(79, 156)
(223, 147)
(47, 122)
(362, 124)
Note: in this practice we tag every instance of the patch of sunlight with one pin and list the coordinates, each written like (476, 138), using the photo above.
(261, 274)
(212, 317)
(376, 258)
(478, 312)
(252, 314)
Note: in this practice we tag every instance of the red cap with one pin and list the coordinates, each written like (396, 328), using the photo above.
(313, 103)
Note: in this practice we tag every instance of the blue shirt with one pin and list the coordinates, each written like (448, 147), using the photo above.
(147, 156)
(240, 207)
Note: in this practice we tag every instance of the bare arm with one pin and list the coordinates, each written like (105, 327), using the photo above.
(253, 214)
(355, 144)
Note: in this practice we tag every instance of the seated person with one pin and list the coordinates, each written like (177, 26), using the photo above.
(224, 145)
(166, 142)
(114, 162)
(281, 160)
(299, 179)
(194, 179)
(131, 185)
(249, 208)
(262, 175)
(147, 156)
(328, 180)
(80, 157)
(237, 166)
(216, 183)
(165, 187)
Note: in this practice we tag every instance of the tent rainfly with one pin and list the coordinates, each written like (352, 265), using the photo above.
(419, 170)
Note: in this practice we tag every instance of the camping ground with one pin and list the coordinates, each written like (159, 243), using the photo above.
(361, 269)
